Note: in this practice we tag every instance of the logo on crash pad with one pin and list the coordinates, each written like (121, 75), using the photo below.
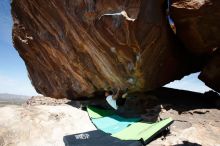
(82, 136)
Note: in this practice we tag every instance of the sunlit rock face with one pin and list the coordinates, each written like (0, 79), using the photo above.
(198, 27)
(73, 48)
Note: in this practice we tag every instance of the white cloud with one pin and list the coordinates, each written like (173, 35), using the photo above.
(191, 83)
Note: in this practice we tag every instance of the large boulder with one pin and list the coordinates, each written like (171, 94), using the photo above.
(76, 48)
(210, 74)
(198, 27)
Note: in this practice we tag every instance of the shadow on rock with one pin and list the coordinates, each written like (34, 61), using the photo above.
(182, 101)
(149, 105)
(187, 143)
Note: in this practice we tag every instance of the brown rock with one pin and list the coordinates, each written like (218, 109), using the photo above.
(74, 48)
(211, 73)
(198, 26)
(41, 100)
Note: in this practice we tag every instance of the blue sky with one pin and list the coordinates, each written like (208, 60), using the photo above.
(13, 74)
(191, 83)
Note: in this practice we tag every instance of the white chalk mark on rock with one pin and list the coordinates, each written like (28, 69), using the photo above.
(123, 13)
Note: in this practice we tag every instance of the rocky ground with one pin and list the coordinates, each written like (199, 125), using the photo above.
(40, 100)
(40, 125)
(45, 121)
(198, 127)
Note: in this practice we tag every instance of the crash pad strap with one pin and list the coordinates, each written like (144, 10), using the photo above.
(142, 130)
(95, 113)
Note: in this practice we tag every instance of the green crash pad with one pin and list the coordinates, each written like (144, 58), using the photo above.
(95, 113)
(126, 129)
(107, 121)
(143, 130)
(114, 123)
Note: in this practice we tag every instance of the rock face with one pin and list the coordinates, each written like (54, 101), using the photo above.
(211, 72)
(199, 20)
(75, 48)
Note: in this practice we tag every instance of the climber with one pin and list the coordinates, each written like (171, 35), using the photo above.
(111, 99)
(115, 100)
